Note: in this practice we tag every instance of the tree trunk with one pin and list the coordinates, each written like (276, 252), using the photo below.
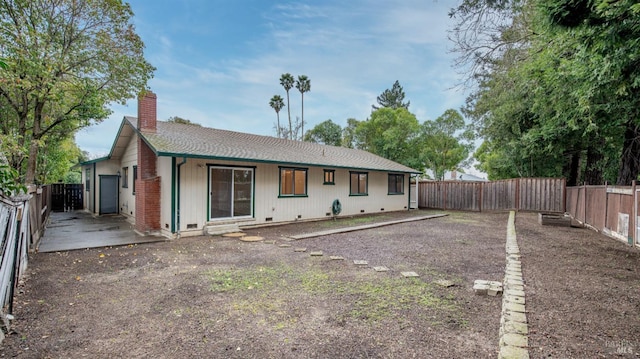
(572, 169)
(302, 137)
(36, 133)
(289, 113)
(593, 169)
(630, 158)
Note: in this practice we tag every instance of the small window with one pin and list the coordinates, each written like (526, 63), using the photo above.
(293, 182)
(329, 177)
(125, 177)
(135, 177)
(396, 184)
(87, 180)
(359, 183)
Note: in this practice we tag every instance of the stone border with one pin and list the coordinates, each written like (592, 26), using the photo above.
(514, 330)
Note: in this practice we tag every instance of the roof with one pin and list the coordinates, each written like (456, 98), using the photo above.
(184, 140)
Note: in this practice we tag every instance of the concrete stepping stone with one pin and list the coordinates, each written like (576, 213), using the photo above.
(381, 269)
(516, 340)
(481, 287)
(336, 258)
(251, 238)
(299, 249)
(360, 262)
(284, 245)
(515, 299)
(444, 283)
(511, 352)
(410, 274)
(316, 254)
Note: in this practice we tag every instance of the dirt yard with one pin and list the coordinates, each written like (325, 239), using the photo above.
(220, 297)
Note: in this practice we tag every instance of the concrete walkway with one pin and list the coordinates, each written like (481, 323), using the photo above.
(79, 230)
(364, 226)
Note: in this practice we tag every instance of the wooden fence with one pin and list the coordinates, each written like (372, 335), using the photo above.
(22, 223)
(519, 194)
(66, 196)
(14, 237)
(612, 210)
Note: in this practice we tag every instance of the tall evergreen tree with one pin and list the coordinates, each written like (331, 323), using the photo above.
(392, 98)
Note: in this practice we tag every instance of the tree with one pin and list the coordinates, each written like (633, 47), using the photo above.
(295, 133)
(67, 61)
(349, 137)
(287, 80)
(303, 84)
(392, 134)
(609, 36)
(327, 132)
(277, 103)
(184, 121)
(392, 98)
(447, 142)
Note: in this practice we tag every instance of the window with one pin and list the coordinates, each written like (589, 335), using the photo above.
(396, 184)
(329, 177)
(359, 183)
(125, 177)
(293, 182)
(135, 177)
(87, 180)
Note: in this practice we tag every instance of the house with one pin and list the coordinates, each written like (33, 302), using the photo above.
(181, 179)
(465, 177)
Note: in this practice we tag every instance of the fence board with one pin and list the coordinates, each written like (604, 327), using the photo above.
(14, 224)
(525, 194)
(608, 209)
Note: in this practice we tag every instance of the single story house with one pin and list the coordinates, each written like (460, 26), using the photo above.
(179, 179)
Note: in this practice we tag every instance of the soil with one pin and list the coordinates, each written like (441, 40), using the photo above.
(219, 297)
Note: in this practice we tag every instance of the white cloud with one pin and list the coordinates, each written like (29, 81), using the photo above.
(351, 51)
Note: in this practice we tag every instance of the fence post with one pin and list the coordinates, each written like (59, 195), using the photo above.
(517, 194)
(606, 204)
(564, 195)
(480, 197)
(633, 220)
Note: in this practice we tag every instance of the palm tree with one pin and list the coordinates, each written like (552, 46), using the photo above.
(303, 84)
(287, 80)
(277, 102)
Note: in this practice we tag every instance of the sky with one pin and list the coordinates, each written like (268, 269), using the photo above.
(218, 62)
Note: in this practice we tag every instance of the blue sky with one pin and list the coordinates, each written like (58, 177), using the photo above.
(219, 62)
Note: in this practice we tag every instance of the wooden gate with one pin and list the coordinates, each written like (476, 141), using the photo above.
(66, 197)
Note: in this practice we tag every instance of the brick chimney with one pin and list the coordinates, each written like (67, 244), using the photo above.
(148, 182)
(147, 116)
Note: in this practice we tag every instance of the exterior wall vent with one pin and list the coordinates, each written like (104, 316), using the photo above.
(192, 225)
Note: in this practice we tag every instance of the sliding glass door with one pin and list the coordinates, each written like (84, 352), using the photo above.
(231, 192)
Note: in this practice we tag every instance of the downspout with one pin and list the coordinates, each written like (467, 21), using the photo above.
(93, 193)
(409, 202)
(184, 160)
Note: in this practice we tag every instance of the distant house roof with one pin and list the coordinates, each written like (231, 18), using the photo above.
(184, 140)
(454, 175)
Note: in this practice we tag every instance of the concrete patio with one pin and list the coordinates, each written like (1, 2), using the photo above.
(80, 230)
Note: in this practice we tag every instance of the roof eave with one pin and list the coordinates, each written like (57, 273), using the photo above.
(237, 159)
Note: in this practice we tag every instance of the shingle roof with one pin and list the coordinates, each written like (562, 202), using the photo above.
(178, 140)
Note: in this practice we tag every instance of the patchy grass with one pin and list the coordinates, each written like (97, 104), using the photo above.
(368, 297)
